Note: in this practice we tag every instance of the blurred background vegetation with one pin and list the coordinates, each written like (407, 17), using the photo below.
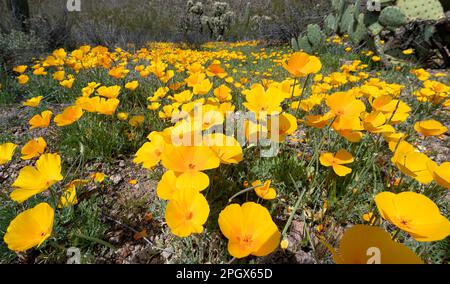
(27, 27)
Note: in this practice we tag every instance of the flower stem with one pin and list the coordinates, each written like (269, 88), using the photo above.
(296, 206)
(303, 92)
(244, 191)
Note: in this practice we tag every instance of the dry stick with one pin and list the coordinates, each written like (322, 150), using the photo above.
(136, 232)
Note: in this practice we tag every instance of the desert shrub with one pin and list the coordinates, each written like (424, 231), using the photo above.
(289, 18)
(18, 47)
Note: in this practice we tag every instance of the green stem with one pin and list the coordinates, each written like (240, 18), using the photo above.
(394, 237)
(296, 206)
(95, 240)
(244, 191)
(302, 94)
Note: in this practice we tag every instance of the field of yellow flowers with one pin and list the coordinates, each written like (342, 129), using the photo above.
(233, 153)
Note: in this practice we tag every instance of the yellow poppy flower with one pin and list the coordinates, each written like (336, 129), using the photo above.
(154, 106)
(34, 180)
(203, 87)
(337, 161)
(345, 104)
(69, 195)
(6, 152)
(375, 122)
(183, 97)
(167, 186)
(30, 228)
(122, 116)
(41, 120)
(301, 64)
(33, 102)
(226, 148)
(260, 100)
(98, 177)
(34, 148)
(109, 92)
(133, 85)
(264, 191)
(249, 229)
(416, 165)
(136, 121)
(215, 69)
(20, 69)
(441, 175)
(67, 83)
(223, 93)
(287, 124)
(149, 155)
(376, 58)
(415, 214)
(317, 121)
(23, 79)
(195, 79)
(362, 244)
(107, 106)
(59, 75)
(190, 161)
(186, 212)
(68, 116)
(408, 51)
(430, 128)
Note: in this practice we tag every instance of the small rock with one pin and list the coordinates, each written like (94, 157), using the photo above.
(116, 179)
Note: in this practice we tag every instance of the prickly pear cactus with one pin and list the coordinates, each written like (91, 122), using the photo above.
(421, 9)
(358, 32)
(312, 41)
(392, 16)
(330, 24)
(315, 36)
(347, 20)
(303, 44)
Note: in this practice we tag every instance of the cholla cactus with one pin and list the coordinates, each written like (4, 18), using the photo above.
(257, 22)
(220, 22)
(192, 21)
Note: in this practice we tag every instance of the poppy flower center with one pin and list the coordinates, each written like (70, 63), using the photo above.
(191, 166)
(189, 216)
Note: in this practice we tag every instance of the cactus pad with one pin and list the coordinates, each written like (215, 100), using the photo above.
(421, 9)
(330, 24)
(359, 30)
(315, 35)
(375, 29)
(303, 44)
(392, 16)
(294, 44)
(347, 20)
